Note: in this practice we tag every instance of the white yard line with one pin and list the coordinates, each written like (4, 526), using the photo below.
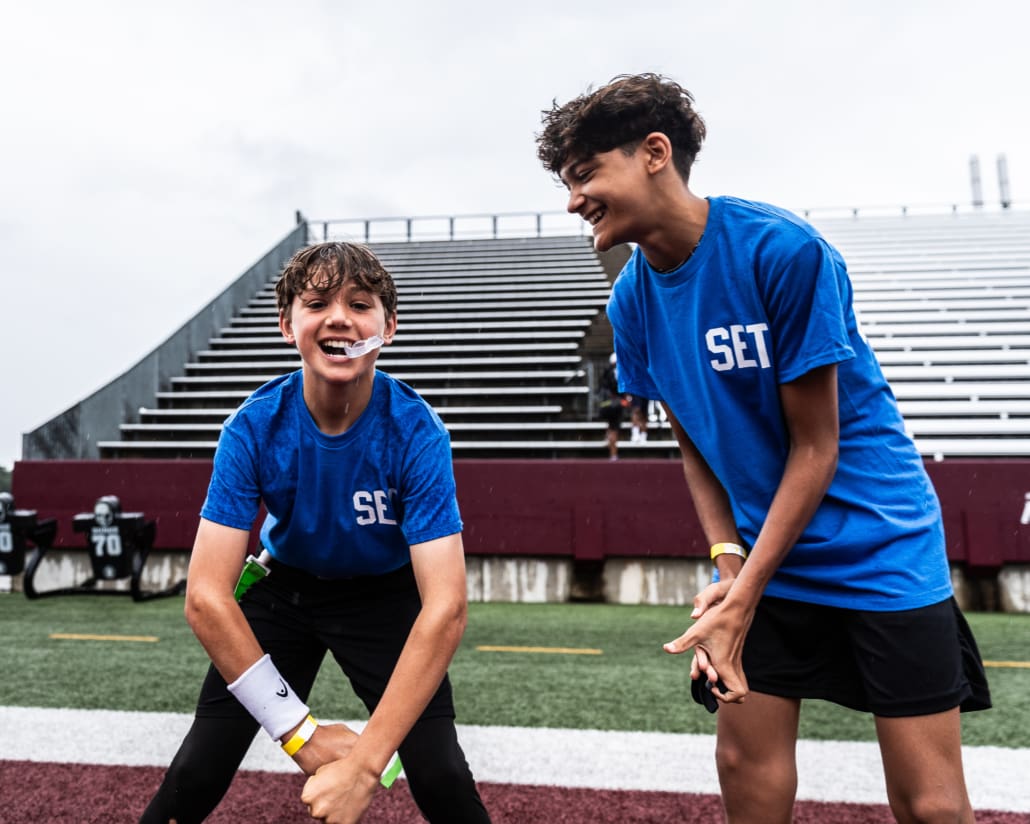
(828, 770)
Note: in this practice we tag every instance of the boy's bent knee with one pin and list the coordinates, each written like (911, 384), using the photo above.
(439, 776)
(441, 781)
(740, 772)
(938, 807)
(755, 787)
(201, 771)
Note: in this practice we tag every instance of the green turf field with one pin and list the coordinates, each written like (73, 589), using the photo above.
(631, 685)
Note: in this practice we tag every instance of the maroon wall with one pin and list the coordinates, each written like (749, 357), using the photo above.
(588, 509)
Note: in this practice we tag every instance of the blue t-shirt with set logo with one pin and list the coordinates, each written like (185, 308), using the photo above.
(763, 300)
(337, 505)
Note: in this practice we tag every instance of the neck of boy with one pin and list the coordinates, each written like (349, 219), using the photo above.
(673, 242)
(675, 266)
(335, 407)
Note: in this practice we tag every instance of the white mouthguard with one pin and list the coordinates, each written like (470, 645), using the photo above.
(363, 347)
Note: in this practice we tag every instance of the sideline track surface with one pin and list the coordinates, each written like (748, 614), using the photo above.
(834, 772)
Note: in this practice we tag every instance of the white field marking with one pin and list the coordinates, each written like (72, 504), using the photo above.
(835, 771)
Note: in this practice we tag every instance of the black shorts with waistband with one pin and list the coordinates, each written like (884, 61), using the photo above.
(892, 664)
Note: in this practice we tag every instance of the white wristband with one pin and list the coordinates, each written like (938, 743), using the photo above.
(265, 694)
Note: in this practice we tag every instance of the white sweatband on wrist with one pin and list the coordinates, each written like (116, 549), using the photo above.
(264, 693)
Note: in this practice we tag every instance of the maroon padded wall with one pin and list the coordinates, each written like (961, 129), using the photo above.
(587, 509)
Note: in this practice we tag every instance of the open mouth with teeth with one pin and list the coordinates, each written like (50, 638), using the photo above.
(351, 349)
(595, 217)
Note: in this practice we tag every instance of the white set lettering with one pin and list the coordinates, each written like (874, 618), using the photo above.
(374, 507)
(1025, 519)
(739, 347)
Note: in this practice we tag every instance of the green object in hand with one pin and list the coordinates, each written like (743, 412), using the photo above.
(253, 571)
(392, 772)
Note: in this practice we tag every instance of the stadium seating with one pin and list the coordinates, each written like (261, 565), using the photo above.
(499, 335)
(506, 338)
(945, 301)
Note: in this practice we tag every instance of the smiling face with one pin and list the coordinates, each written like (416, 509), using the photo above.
(321, 322)
(609, 191)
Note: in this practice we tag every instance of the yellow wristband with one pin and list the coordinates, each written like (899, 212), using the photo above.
(728, 549)
(301, 737)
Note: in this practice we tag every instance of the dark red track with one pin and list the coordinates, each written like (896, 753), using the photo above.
(33, 792)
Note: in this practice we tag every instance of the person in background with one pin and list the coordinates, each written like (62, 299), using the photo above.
(638, 418)
(612, 406)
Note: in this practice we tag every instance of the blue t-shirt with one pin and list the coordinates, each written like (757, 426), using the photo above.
(763, 300)
(338, 505)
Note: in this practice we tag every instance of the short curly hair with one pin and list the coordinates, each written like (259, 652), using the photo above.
(620, 115)
(325, 267)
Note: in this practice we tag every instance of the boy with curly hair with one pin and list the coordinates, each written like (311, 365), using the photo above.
(363, 529)
(832, 579)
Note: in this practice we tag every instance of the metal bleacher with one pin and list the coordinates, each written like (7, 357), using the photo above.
(504, 338)
(498, 335)
(945, 301)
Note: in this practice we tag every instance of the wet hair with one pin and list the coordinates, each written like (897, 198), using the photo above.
(325, 267)
(620, 115)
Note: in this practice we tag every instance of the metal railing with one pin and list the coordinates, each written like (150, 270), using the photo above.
(486, 225)
(446, 227)
(905, 210)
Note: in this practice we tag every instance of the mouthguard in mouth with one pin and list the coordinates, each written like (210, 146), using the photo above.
(363, 347)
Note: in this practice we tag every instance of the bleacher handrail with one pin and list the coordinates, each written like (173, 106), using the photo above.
(540, 224)
(468, 226)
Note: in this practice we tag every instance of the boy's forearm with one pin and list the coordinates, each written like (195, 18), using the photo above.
(219, 625)
(812, 419)
(423, 663)
(211, 608)
(711, 503)
(805, 480)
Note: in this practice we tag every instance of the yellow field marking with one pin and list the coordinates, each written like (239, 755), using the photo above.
(545, 650)
(77, 636)
(1008, 664)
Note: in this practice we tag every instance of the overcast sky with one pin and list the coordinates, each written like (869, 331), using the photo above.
(150, 153)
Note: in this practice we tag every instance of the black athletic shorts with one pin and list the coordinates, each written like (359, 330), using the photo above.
(612, 413)
(892, 664)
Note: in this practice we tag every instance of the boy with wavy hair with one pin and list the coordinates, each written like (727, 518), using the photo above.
(832, 579)
(366, 562)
